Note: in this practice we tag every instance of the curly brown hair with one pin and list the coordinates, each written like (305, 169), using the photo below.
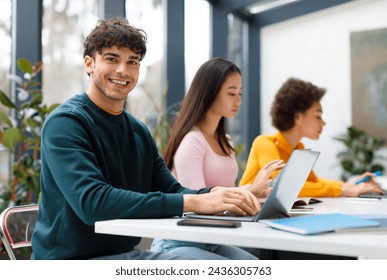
(294, 96)
(116, 32)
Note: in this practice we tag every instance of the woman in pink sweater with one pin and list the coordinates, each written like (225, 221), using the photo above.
(201, 154)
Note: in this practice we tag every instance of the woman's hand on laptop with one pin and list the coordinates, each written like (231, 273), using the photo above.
(351, 189)
(260, 185)
(238, 200)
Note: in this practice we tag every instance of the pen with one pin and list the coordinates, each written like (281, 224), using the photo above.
(365, 179)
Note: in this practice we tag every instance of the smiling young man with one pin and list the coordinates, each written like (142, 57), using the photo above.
(99, 162)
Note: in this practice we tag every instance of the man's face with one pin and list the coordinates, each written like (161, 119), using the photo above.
(113, 73)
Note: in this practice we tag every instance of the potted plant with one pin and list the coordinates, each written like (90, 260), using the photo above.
(361, 153)
(20, 133)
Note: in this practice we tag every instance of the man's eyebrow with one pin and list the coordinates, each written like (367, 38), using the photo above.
(135, 57)
(110, 53)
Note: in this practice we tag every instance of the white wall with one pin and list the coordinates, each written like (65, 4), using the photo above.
(316, 48)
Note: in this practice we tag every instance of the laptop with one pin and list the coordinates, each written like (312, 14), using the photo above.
(382, 180)
(374, 195)
(287, 186)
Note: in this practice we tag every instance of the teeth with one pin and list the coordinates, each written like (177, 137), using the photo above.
(119, 82)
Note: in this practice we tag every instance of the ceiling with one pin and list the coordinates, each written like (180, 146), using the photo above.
(248, 8)
(266, 12)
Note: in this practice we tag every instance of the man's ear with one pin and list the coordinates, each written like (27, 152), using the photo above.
(88, 61)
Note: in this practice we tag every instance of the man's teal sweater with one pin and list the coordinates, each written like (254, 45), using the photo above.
(97, 166)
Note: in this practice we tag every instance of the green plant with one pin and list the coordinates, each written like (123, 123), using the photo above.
(360, 155)
(21, 134)
(161, 123)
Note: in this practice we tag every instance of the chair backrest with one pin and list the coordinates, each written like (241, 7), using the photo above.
(17, 224)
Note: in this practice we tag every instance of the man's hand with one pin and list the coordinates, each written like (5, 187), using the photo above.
(238, 200)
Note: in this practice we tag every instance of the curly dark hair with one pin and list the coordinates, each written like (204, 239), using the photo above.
(294, 96)
(116, 32)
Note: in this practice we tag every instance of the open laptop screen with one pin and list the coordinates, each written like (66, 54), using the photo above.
(289, 184)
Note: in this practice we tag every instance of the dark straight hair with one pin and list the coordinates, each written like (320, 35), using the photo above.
(202, 93)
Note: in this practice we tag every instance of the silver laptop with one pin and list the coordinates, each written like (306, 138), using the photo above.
(287, 186)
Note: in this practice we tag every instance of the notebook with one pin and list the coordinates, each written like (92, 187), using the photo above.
(315, 224)
(380, 218)
(287, 186)
(305, 201)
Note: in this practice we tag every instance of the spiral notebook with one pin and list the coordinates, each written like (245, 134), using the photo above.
(315, 224)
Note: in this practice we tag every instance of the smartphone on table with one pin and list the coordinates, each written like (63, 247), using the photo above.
(208, 223)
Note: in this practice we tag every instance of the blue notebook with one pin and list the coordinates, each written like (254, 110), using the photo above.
(314, 224)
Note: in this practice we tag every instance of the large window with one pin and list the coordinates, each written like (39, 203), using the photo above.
(5, 64)
(236, 125)
(197, 36)
(65, 25)
(144, 101)
(235, 52)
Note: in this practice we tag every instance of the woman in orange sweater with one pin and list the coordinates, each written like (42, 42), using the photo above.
(297, 113)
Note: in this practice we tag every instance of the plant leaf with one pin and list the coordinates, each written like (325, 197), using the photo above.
(11, 137)
(4, 118)
(6, 101)
(24, 65)
(52, 107)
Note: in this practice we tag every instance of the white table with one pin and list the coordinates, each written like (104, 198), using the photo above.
(367, 244)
